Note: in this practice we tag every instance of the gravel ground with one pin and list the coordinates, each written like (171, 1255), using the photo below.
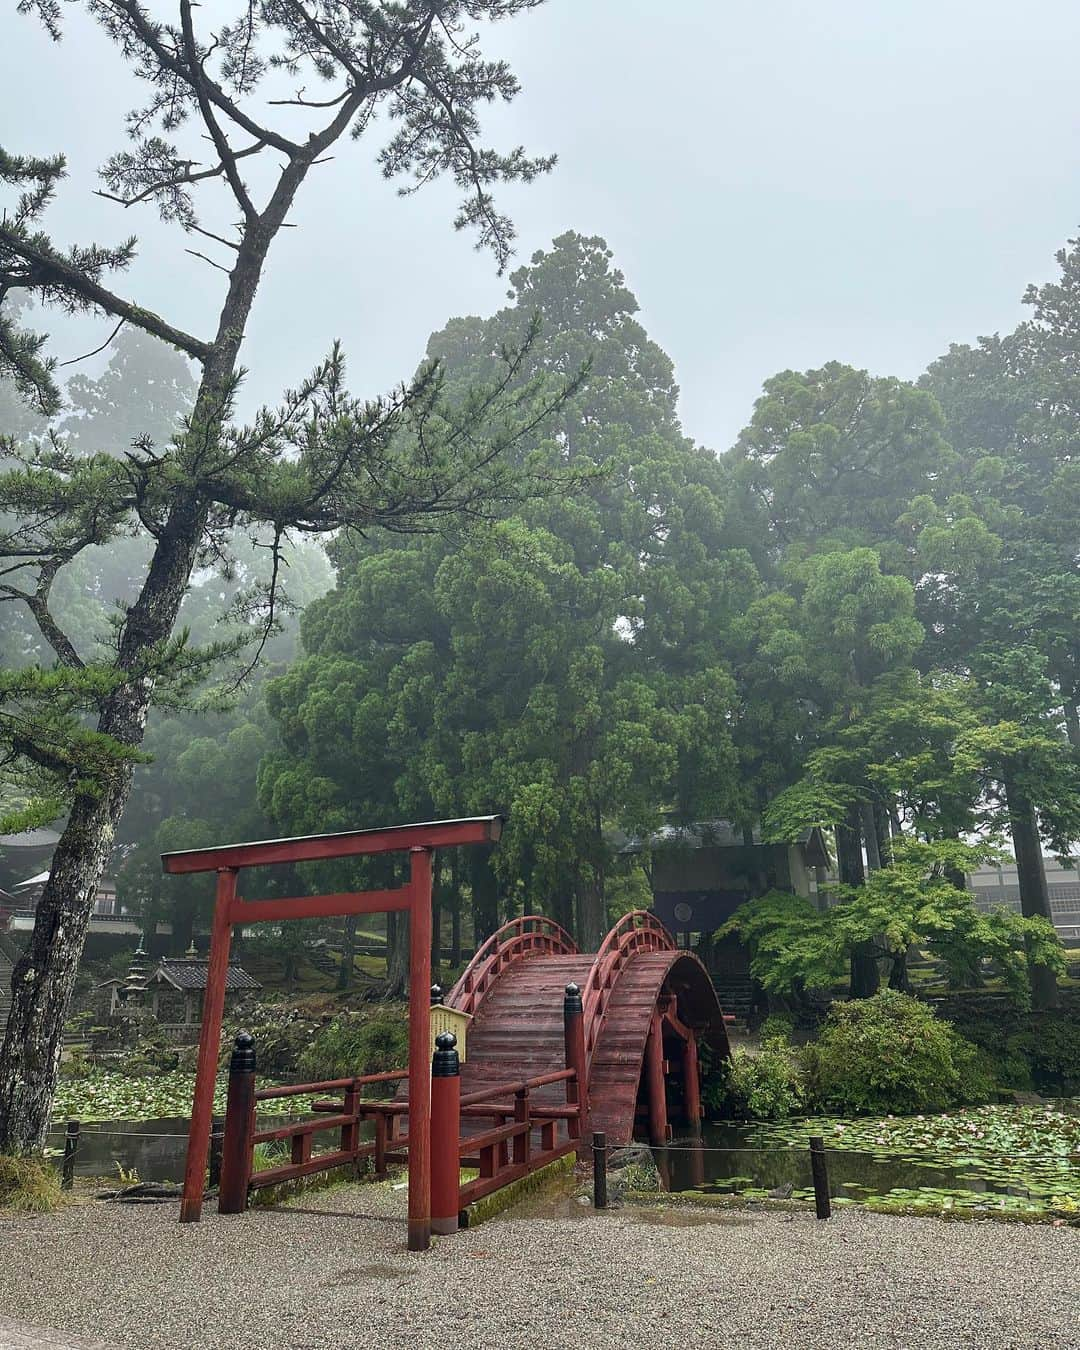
(333, 1270)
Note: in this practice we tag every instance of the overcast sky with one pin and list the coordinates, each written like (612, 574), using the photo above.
(782, 183)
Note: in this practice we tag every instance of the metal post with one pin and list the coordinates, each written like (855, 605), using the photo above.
(71, 1147)
(821, 1176)
(445, 1134)
(577, 1088)
(217, 1126)
(599, 1170)
(419, 1050)
(202, 1108)
(239, 1127)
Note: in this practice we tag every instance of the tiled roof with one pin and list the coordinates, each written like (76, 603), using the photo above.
(185, 973)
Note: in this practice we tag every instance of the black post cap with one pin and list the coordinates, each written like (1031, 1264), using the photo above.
(242, 1059)
(436, 994)
(445, 1062)
(572, 999)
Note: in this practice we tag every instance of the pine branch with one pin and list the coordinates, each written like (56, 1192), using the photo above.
(49, 269)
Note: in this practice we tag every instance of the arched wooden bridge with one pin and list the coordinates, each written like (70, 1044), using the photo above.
(648, 1007)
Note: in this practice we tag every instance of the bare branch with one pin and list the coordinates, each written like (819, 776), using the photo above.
(196, 254)
(87, 355)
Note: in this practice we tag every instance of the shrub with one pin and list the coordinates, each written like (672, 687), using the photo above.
(769, 1085)
(357, 1044)
(281, 1032)
(1051, 1047)
(890, 1054)
(777, 1027)
(28, 1184)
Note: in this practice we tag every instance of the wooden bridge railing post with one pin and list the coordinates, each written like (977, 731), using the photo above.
(350, 1134)
(239, 1127)
(577, 1088)
(445, 1134)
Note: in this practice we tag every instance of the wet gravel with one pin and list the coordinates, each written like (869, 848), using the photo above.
(333, 1270)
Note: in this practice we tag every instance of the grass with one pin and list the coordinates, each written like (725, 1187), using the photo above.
(28, 1184)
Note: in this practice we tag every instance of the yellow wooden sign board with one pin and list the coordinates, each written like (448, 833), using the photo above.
(449, 1019)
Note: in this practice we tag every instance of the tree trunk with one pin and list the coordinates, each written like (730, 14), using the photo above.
(485, 894)
(347, 968)
(397, 955)
(868, 825)
(436, 917)
(898, 973)
(1072, 724)
(455, 910)
(1031, 873)
(561, 907)
(865, 977)
(591, 914)
(883, 832)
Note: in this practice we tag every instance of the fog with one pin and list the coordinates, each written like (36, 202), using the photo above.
(782, 183)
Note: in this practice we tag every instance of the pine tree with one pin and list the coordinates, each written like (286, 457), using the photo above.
(320, 461)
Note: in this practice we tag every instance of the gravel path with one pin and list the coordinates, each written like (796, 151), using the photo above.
(335, 1272)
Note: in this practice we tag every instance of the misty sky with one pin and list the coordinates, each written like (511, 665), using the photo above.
(782, 183)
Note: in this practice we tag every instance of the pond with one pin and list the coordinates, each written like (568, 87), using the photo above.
(138, 1124)
(1021, 1159)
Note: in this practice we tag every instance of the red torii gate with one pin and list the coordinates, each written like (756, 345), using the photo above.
(414, 898)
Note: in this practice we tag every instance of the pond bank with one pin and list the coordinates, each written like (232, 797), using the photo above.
(1019, 1161)
(302, 1278)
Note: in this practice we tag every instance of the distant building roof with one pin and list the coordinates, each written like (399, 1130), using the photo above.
(709, 834)
(185, 972)
(37, 880)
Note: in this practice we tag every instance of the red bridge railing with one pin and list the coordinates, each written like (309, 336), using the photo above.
(514, 940)
(524, 1135)
(638, 931)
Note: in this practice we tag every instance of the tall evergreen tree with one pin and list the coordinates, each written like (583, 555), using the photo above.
(563, 665)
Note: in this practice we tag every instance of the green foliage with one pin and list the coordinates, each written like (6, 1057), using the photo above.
(1033, 1151)
(28, 1184)
(560, 664)
(913, 901)
(768, 1085)
(777, 1027)
(1051, 1047)
(890, 1053)
(792, 945)
(358, 1044)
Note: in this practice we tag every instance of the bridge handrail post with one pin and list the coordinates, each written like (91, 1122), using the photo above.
(445, 1134)
(236, 1147)
(577, 1088)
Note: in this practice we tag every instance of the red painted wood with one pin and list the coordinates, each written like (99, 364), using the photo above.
(420, 1049)
(445, 1153)
(531, 935)
(202, 1107)
(654, 1081)
(318, 906)
(348, 844)
(692, 1082)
